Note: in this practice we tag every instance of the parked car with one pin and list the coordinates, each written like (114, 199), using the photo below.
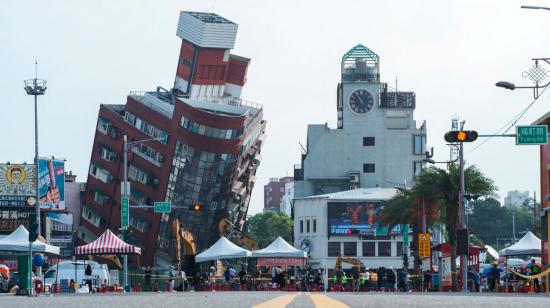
(75, 270)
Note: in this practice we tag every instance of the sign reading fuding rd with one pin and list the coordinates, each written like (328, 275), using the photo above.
(531, 134)
(125, 212)
(163, 207)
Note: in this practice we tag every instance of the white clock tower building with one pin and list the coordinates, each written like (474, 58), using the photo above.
(377, 142)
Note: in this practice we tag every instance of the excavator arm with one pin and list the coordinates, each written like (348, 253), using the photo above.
(180, 235)
(228, 230)
(353, 261)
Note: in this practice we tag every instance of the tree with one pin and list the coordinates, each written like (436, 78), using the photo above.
(265, 227)
(437, 190)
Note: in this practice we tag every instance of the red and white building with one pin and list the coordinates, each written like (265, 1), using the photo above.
(210, 155)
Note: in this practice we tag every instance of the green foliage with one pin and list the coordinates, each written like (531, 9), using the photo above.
(265, 227)
(489, 221)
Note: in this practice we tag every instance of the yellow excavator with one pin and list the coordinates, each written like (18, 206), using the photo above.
(180, 235)
(353, 261)
(228, 230)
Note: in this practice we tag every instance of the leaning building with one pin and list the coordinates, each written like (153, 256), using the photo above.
(207, 153)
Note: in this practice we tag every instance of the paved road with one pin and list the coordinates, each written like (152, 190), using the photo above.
(277, 299)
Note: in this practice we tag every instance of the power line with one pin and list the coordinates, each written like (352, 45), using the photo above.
(510, 123)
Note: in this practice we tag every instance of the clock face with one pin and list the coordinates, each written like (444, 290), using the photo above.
(361, 101)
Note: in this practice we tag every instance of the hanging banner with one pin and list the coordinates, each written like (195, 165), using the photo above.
(281, 261)
(51, 175)
(445, 270)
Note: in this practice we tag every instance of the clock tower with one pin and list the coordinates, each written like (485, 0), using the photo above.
(376, 142)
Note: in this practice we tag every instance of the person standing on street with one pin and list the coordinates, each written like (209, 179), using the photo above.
(381, 279)
(535, 270)
(494, 278)
(339, 274)
(355, 277)
(88, 274)
(427, 281)
(402, 280)
(147, 274)
(390, 278)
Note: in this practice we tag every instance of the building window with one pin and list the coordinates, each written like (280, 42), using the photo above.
(145, 127)
(418, 145)
(417, 168)
(369, 249)
(368, 141)
(91, 216)
(307, 226)
(368, 168)
(107, 154)
(301, 226)
(100, 197)
(207, 131)
(384, 249)
(100, 174)
(282, 189)
(350, 249)
(333, 249)
(399, 249)
(136, 174)
(137, 196)
(314, 225)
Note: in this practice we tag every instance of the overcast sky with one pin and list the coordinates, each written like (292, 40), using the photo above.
(449, 52)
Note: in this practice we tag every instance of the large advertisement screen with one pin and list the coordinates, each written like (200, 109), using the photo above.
(16, 184)
(357, 217)
(51, 174)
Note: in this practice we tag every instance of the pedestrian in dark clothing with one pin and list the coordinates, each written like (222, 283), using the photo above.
(242, 277)
(88, 274)
(390, 278)
(381, 279)
(494, 278)
(147, 274)
(355, 277)
(227, 275)
(339, 274)
(427, 281)
(402, 280)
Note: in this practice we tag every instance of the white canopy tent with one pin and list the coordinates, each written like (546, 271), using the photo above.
(18, 241)
(222, 249)
(279, 249)
(529, 244)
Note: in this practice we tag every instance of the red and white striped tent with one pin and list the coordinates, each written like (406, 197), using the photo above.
(107, 244)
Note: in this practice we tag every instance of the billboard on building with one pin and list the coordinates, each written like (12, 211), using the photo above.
(51, 174)
(355, 217)
(59, 231)
(16, 184)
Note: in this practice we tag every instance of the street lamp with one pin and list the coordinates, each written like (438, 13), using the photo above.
(532, 7)
(35, 87)
(536, 74)
(125, 193)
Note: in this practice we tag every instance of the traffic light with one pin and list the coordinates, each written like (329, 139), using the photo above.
(33, 228)
(197, 207)
(405, 260)
(461, 136)
(462, 242)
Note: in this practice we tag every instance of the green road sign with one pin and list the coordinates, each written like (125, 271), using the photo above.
(124, 212)
(163, 207)
(531, 134)
(406, 236)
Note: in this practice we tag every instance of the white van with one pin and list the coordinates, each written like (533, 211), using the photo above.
(71, 270)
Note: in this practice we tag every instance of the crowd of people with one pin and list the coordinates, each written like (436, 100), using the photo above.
(381, 279)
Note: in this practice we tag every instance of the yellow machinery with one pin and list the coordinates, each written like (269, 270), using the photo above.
(180, 235)
(353, 261)
(228, 230)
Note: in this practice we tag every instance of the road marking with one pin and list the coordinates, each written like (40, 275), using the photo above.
(323, 301)
(279, 301)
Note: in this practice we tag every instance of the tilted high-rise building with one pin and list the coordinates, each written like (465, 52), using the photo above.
(209, 157)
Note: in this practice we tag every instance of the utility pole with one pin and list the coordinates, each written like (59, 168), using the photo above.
(463, 258)
(125, 195)
(35, 87)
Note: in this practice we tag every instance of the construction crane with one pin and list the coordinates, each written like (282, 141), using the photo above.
(228, 230)
(180, 235)
(353, 261)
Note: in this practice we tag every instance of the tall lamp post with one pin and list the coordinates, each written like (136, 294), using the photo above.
(125, 191)
(35, 87)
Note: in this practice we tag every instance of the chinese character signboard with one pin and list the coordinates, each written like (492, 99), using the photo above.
(11, 219)
(16, 184)
(51, 174)
(424, 245)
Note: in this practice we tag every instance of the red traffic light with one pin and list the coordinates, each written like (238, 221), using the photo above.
(461, 136)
